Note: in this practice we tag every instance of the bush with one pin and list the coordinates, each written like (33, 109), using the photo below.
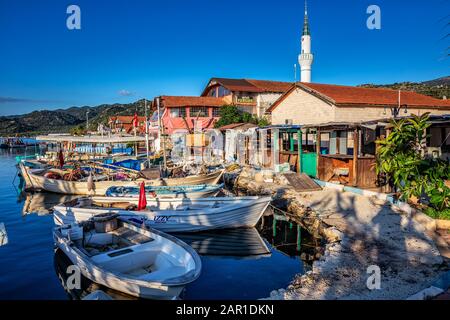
(400, 158)
(438, 214)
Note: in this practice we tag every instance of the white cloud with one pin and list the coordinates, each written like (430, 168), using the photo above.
(125, 93)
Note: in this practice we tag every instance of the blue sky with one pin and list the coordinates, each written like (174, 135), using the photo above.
(132, 49)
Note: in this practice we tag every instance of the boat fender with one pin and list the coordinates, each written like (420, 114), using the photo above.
(90, 182)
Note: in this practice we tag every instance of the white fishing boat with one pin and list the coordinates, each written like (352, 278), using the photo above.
(169, 215)
(191, 192)
(128, 258)
(36, 179)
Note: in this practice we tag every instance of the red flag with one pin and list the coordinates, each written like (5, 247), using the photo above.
(61, 158)
(142, 205)
(135, 121)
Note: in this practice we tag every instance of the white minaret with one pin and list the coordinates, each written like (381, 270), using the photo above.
(306, 58)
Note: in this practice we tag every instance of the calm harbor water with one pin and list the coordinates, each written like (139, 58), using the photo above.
(237, 264)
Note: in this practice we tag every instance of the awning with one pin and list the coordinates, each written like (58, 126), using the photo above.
(90, 139)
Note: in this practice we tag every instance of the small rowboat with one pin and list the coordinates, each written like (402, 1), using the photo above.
(191, 192)
(169, 215)
(128, 258)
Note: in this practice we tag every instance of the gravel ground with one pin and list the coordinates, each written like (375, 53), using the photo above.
(373, 233)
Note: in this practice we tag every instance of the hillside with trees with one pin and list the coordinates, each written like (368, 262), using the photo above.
(438, 88)
(61, 121)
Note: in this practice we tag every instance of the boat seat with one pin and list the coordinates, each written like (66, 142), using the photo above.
(131, 236)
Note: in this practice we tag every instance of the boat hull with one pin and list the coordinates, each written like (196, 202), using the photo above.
(39, 182)
(237, 214)
(134, 287)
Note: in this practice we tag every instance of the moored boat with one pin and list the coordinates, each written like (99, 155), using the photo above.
(16, 143)
(170, 215)
(129, 258)
(191, 192)
(38, 180)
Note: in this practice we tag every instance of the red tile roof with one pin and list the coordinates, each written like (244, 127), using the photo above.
(180, 101)
(242, 126)
(356, 96)
(271, 86)
(237, 85)
(249, 85)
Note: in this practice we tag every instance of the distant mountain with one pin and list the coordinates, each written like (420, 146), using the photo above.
(62, 120)
(437, 88)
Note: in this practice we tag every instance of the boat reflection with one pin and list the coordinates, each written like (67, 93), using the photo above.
(42, 203)
(3, 235)
(240, 243)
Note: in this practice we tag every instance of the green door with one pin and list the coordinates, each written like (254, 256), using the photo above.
(308, 162)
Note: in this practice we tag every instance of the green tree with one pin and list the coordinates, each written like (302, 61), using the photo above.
(231, 114)
(228, 115)
(78, 130)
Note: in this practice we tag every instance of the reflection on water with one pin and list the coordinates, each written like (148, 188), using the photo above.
(3, 235)
(42, 203)
(241, 243)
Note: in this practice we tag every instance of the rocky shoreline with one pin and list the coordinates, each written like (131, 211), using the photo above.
(358, 232)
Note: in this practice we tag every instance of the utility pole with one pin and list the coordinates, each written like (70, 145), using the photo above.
(162, 136)
(146, 133)
(87, 121)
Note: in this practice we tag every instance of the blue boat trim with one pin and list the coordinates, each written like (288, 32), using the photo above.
(162, 190)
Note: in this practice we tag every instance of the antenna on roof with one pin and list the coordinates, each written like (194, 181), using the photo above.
(295, 72)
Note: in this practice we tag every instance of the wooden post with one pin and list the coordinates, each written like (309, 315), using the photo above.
(276, 148)
(292, 141)
(300, 150)
(318, 143)
(299, 238)
(355, 156)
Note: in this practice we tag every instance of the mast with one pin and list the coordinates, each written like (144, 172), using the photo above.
(162, 137)
(146, 133)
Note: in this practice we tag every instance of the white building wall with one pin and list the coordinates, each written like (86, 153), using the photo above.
(357, 114)
(266, 100)
(302, 108)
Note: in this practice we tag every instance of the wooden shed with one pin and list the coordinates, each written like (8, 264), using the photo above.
(343, 152)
